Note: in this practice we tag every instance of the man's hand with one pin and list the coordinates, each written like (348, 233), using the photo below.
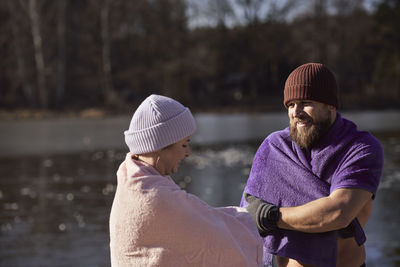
(353, 230)
(264, 214)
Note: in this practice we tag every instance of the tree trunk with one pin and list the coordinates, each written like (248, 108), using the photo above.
(22, 75)
(320, 24)
(108, 90)
(39, 57)
(61, 51)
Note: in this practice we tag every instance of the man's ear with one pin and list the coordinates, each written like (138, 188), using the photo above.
(331, 108)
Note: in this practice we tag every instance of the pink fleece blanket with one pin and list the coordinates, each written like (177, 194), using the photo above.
(155, 223)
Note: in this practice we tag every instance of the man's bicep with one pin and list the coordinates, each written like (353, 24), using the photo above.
(350, 201)
(360, 168)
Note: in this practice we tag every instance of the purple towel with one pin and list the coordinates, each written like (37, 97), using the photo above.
(285, 175)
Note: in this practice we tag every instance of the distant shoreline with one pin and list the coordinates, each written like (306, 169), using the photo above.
(101, 113)
(58, 135)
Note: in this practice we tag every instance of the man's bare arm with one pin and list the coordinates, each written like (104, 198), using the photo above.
(329, 213)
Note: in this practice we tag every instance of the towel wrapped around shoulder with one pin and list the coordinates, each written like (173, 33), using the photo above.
(155, 223)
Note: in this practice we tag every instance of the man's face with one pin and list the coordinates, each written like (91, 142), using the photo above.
(309, 120)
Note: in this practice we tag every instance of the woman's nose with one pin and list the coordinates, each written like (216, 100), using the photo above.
(187, 153)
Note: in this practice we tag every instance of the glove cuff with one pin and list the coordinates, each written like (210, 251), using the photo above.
(268, 217)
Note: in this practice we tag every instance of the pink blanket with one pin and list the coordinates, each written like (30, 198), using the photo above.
(155, 223)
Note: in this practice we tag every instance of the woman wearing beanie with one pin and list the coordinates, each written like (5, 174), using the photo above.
(155, 223)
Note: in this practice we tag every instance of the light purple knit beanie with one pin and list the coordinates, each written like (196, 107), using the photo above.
(159, 121)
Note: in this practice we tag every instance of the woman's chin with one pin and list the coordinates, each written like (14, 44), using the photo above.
(170, 172)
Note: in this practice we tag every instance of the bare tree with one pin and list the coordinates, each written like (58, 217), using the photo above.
(22, 69)
(344, 7)
(283, 10)
(39, 56)
(251, 9)
(102, 9)
(61, 50)
(219, 12)
(105, 52)
(320, 27)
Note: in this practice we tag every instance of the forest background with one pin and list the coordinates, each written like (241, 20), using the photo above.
(212, 55)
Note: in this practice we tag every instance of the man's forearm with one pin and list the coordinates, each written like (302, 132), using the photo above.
(325, 214)
(314, 217)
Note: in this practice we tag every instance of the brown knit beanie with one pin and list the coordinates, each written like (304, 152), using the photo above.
(311, 81)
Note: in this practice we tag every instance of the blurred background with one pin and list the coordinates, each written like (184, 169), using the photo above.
(67, 55)
(73, 72)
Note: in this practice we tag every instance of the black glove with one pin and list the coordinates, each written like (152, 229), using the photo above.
(354, 229)
(265, 215)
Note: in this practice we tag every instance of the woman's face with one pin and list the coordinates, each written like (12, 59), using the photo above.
(171, 156)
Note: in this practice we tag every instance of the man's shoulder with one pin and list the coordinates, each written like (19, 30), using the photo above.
(356, 137)
(366, 140)
(279, 135)
(360, 148)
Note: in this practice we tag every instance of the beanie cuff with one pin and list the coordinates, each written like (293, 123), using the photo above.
(162, 134)
(304, 92)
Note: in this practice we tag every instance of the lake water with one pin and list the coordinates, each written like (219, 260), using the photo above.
(57, 181)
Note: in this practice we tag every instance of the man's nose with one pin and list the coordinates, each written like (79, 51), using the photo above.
(297, 110)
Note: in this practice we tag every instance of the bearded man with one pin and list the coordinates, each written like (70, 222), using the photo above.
(311, 186)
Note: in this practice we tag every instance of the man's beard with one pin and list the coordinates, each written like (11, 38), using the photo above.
(309, 135)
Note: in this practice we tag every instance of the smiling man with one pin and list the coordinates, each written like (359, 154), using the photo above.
(311, 186)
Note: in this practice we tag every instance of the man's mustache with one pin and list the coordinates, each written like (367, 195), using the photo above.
(303, 120)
